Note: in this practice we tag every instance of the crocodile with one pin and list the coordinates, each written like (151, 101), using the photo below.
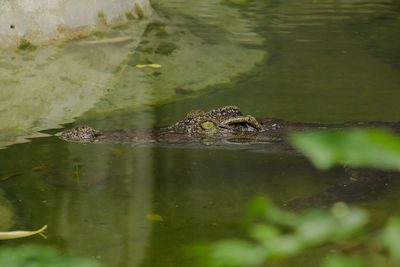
(222, 125)
(227, 125)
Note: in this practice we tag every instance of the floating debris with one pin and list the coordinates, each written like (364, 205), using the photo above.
(117, 153)
(6, 177)
(154, 66)
(40, 168)
(154, 217)
(109, 41)
(20, 234)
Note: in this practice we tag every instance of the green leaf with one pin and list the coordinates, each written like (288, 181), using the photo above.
(281, 217)
(232, 252)
(283, 247)
(319, 226)
(256, 208)
(352, 222)
(39, 256)
(390, 237)
(355, 147)
(316, 228)
(263, 232)
(343, 261)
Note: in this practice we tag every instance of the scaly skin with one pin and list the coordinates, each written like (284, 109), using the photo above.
(217, 124)
(225, 124)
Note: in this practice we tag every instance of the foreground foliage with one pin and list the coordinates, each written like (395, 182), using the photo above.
(39, 256)
(276, 234)
(355, 147)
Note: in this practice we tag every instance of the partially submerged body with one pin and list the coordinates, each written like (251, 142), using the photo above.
(218, 124)
(227, 125)
(221, 125)
(363, 184)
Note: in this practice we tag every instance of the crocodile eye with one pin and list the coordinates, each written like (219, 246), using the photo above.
(207, 125)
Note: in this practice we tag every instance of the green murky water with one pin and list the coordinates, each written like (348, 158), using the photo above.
(328, 61)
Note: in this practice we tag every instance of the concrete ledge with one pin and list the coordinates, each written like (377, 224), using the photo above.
(42, 20)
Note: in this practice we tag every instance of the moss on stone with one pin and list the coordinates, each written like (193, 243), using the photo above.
(129, 16)
(100, 34)
(162, 34)
(117, 70)
(24, 44)
(143, 49)
(120, 27)
(156, 25)
(144, 42)
(156, 73)
(139, 11)
(61, 28)
(102, 18)
(166, 48)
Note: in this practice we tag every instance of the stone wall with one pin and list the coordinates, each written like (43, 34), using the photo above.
(42, 20)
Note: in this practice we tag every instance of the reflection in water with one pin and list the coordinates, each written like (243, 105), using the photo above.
(320, 68)
(197, 43)
(199, 193)
(108, 221)
(108, 218)
(7, 213)
(50, 86)
(104, 218)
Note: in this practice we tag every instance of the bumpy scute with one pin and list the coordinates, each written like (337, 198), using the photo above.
(216, 121)
(82, 134)
(223, 122)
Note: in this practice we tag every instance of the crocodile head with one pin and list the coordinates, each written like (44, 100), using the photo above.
(225, 122)
(82, 134)
(220, 121)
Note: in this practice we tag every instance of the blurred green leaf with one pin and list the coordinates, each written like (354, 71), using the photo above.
(355, 147)
(281, 217)
(38, 256)
(263, 232)
(343, 261)
(263, 208)
(319, 226)
(390, 237)
(257, 208)
(316, 228)
(282, 234)
(283, 247)
(235, 252)
(352, 222)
